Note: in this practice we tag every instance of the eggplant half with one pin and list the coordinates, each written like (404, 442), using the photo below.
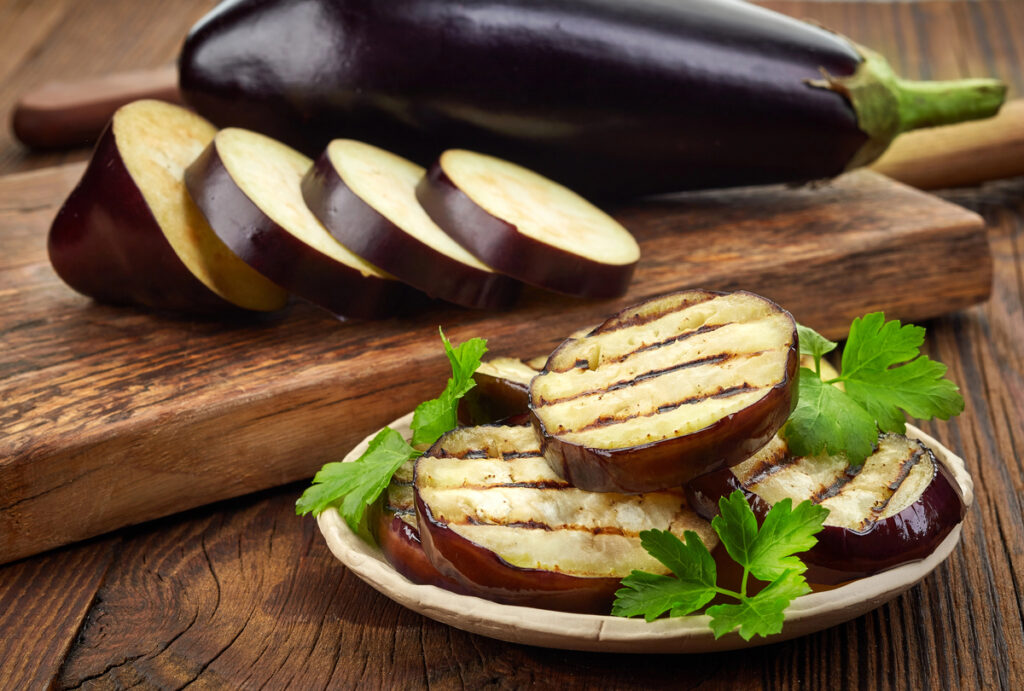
(129, 233)
(249, 188)
(366, 197)
(666, 390)
(527, 226)
(894, 509)
(610, 98)
(494, 517)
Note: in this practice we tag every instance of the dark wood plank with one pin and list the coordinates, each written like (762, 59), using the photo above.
(129, 406)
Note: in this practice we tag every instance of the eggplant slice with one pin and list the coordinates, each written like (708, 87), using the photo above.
(666, 390)
(496, 518)
(249, 188)
(398, 535)
(366, 197)
(895, 508)
(528, 226)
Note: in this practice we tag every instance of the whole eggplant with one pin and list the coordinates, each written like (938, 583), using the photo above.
(610, 97)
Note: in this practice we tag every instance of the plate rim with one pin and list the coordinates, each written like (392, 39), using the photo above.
(595, 632)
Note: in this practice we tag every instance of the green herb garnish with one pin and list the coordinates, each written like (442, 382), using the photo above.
(352, 487)
(766, 553)
(884, 376)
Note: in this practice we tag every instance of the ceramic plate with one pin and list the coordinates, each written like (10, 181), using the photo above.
(691, 634)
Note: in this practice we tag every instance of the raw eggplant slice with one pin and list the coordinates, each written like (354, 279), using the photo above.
(528, 226)
(667, 390)
(249, 188)
(129, 233)
(896, 508)
(397, 533)
(496, 518)
(366, 197)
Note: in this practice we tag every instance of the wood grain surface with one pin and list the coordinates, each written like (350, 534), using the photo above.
(112, 413)
(242, 594)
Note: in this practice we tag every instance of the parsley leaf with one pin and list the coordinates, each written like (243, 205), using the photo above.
(766, 552)
(884, 377)
(814, 344)
(356, 485)
(762, 614)
(353, 482)
(884, 372)
(827, 420)
(435, 417)
(652, 595)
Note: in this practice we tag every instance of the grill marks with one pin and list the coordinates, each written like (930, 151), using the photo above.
(890, 480)
(512, 503)
(693, 368)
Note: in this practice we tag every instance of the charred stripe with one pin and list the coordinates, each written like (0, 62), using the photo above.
(583, 363)
(715, 359)
(606, 420)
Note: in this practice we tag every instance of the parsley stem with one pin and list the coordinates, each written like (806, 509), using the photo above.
(730, 593)
(743, 585)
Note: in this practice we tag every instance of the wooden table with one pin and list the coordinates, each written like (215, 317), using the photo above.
(244, 594)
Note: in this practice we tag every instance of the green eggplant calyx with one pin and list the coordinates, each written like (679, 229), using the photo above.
(887, 105)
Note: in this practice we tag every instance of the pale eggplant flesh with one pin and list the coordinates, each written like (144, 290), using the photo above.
(129, 233)
(894, 509)
(248, 187)
(666, 390)
(496, 518)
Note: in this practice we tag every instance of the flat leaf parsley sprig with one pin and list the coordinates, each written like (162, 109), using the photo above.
(766, 553)
(356, 485)
(884, 375)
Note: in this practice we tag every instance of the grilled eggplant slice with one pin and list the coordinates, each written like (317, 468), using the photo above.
(502, 390)
(894, 509)
(667, 390)
(496, 518)
(366, 197)
(398, 534)
(528, 226)
(248, 187)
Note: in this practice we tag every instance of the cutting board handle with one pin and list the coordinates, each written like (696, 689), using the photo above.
(60, 115)
(66, 114)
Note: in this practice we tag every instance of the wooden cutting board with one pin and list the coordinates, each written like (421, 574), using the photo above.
(114, 416)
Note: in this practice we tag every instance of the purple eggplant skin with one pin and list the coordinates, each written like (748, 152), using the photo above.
(481, 572)
(611, 98)
(366, 232)
(283, 258)
(843, 554)
(106, 243)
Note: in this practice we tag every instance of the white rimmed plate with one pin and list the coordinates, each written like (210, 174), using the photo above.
(570, 631)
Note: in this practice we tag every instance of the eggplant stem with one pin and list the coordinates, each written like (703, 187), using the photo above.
(887, 105)
(929, 104)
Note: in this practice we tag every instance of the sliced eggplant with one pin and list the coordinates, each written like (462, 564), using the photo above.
(130, 234)
(896, 508)
(366, 197)
(398, 535)
(496, 518)
(249, 188)
(528, 226)
(666, 390)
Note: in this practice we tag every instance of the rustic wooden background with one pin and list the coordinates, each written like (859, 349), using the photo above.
(244, 594)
